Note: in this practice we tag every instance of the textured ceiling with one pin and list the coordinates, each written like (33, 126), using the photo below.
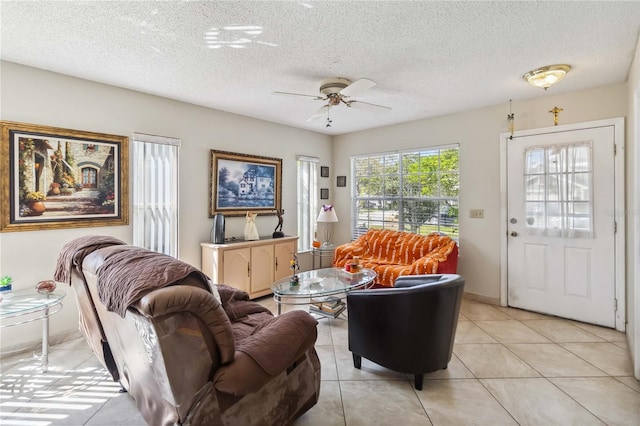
(427, 58)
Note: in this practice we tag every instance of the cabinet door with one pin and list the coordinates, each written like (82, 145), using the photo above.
(236, 268)
(261, 269)
(283, 253)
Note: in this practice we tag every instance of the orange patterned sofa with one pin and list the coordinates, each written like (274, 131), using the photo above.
(393, 253)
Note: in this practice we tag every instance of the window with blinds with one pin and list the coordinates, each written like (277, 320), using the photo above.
(307, 202)
(155, 193)
(414, 191)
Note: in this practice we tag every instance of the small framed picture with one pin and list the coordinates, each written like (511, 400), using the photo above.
(341, 181)
(324, 171)
(324, 193)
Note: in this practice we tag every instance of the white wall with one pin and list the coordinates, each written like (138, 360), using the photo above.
(477, 132)
(633, 210)
(35, 96)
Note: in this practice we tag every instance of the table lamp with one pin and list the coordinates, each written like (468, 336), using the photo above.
(327, 215)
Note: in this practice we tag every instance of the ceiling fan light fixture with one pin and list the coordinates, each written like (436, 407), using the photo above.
(545, 77)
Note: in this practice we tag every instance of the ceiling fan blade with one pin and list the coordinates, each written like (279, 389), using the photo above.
(366, 106)
(316, 97)
(357, 87)
(321, 112)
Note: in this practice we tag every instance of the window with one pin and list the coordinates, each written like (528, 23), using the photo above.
(155, 193)
(558, 190)
(414, 191)
(307, 200)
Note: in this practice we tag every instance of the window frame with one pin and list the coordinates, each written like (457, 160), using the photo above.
(444, 222)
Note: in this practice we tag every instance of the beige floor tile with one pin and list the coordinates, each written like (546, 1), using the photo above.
(630, 381)
(608, 334)
(606, 356)
(487, 360)
(622, 345)
(455, 370)
(538, 402)
(511, 331)
(381, 403)
(324, 333)
(368, 371)
(462, 318)
(120, 410)
(328, 370)
(339, 331)
(559, 330)
(462, 402)
(469, 332)
(328, 411)
(607, 398)
(552, 360)
(480, 311)
(521, 314)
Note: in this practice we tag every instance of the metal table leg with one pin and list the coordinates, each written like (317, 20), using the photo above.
(45, 340)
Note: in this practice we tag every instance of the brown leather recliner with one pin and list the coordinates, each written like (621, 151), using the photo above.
(188, 359)
(409, 328)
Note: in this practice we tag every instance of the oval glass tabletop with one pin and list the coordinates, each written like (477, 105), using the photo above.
(21, 302)
(323, 282)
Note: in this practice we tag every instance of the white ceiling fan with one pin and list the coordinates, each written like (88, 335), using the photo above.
(338, 90)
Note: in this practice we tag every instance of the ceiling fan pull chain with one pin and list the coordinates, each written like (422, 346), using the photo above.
(329, 121)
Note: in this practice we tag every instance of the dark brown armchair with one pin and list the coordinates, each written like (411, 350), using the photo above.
(409, 328)
(189, 353)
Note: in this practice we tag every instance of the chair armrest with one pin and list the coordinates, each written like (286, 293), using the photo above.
(273, 348)
(430, 263)
(201, 303)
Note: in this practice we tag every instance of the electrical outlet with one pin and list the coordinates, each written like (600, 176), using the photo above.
(476, 213)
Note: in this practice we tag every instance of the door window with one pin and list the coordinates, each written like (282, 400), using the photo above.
(559, 190)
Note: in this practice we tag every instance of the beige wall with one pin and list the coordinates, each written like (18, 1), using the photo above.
(633, 212)
(477, 132)
(34, 96)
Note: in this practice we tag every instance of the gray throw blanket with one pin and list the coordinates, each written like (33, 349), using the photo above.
(74, 252)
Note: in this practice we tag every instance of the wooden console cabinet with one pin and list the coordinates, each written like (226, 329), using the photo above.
(252, 266)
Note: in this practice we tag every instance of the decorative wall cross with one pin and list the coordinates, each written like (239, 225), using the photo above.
(555, 111)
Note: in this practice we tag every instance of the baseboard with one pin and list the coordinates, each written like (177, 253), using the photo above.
(484, 299)
(36, 345)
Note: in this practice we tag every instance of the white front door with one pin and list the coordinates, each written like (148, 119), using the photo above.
(561, 224)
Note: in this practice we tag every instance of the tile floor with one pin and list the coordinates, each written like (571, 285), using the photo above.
(509, 367)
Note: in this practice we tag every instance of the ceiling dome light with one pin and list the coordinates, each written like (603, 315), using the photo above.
(546, 76)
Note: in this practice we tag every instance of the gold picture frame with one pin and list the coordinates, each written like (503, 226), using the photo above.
(54, 178)
(241, 183)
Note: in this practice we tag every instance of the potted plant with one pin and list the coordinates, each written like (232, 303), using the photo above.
(5, 283)
(34, 201)
(54, 188)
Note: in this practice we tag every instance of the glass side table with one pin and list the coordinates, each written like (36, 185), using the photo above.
(320, 253)
(24, 306)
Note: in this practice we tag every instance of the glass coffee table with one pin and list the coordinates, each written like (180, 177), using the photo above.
(27, 305)
(321, 288)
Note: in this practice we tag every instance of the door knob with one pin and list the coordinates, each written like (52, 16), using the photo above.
(514, 234)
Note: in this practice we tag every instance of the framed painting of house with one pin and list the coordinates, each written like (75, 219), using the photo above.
(241, 183)
(56, 178)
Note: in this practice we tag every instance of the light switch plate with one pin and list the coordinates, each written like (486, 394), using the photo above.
(476, 213)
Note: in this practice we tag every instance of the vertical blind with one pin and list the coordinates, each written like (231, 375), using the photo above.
(155, 193)
(307, 200)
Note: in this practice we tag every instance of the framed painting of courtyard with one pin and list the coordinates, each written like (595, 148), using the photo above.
(240, 183)
(55, 178)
